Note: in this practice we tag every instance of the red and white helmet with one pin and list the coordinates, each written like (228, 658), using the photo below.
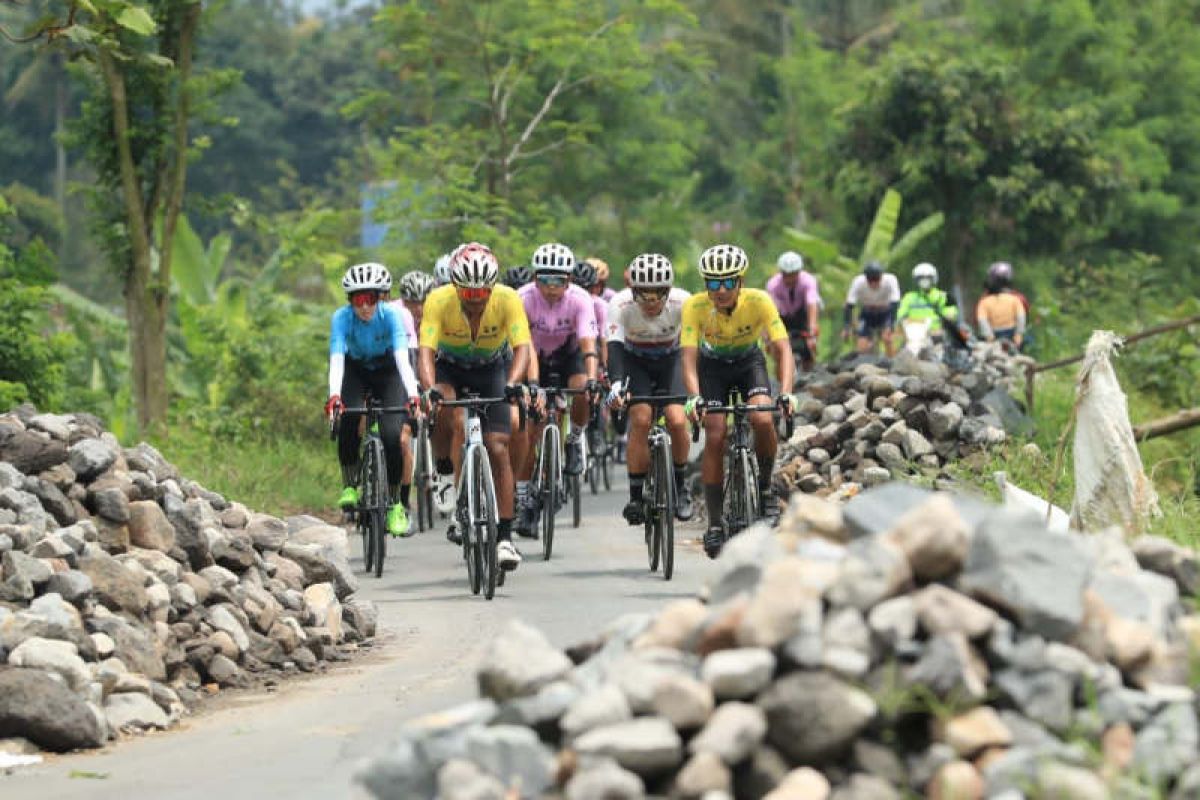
(368, 277)
(651, 271)
(553, 257)
(474, 266)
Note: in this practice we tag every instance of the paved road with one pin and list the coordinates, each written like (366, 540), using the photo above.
(304, 741)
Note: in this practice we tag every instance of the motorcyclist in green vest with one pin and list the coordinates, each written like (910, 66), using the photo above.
(926, 303)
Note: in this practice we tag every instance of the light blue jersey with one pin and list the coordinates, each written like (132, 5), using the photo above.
(366, 341)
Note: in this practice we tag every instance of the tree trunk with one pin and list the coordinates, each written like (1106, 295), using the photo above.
(147, 322)
(60, 149)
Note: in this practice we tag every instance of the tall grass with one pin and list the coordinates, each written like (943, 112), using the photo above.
(275, 476)
(1172, 462)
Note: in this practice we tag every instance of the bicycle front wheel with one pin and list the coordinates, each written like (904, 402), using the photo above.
(372, 496)
(548, 479)
(664, 507)
(423, 478)
(463, 514)
(484, 521)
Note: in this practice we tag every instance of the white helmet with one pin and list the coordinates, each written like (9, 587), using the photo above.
(368, 277)
(441, 270)
(790, 262)
(723, 261)
(473, 266)
(553, 257)
(925, 270)
(651, 271)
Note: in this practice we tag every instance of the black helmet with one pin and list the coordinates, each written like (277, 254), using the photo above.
(516, 277)
(873, 269)
(584, 275)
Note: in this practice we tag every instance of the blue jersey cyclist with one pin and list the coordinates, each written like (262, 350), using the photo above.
(368, 352)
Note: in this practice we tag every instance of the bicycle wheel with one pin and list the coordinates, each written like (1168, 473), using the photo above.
(484, 521)
(653, 535)
(593, 464)
(734, 505)
(370, 499)
(379, 507)
(606, 446)
(548, 479)
(664, 502)
(575, 488)
(423, 478)
(463, 514)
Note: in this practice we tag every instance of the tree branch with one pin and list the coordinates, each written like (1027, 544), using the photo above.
(130, 190)
(542, 150)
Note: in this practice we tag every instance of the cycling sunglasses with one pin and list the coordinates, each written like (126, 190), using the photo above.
(717, 284)
(473, 294)
(364, 299)
(552, 280)
(646, 295)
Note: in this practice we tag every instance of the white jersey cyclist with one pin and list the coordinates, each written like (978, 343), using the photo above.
(641, 334)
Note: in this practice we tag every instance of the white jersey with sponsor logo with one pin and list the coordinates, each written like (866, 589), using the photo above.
(627, 323)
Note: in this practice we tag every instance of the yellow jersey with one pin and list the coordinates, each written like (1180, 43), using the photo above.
(445, 327)
(730, 335)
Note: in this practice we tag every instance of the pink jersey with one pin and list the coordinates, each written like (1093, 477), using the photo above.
(562, 325)
(608, 294)
(600, 309)
(791, 301)
(406, 317)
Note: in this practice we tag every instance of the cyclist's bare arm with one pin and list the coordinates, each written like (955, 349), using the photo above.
(425, 366)
(588, 348)
(523, 364)
(689, 361)
(785, 367)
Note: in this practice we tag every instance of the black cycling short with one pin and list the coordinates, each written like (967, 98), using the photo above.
(872, 321)
(800, 348)
(485, 380)
(555, 369)
(653, 376)
(381, 378)
(748, 375)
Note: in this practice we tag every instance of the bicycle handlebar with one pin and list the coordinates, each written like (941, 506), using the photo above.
(657, 402)
(741, 409)
(336, 419)
(480, 402)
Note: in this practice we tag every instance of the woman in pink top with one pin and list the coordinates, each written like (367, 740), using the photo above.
(562, 323)
(795, 294)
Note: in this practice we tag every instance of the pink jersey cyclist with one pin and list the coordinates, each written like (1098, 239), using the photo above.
(793, 301)
(557, 328)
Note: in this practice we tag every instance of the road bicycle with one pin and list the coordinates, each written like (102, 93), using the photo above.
(599, 449)
(658, 490)
(741, 507)
(370, 515)
(476, 509)
(423, 474)
(549, 485)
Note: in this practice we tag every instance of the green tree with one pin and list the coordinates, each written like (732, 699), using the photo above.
(953, 135)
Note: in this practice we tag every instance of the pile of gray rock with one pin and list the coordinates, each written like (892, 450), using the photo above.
(868, 420)
(128, 592)
(905, 644)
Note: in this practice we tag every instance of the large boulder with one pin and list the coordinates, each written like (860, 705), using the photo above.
(114, 585)
(149, 527)
(813, 717)
(40, 708)
(518, 662)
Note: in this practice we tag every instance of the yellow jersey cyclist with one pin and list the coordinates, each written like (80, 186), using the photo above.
(464, 333)
(644, 322)
(719, 339)
(368, 351)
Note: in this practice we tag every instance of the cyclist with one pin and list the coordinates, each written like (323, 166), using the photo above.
(926, 303)
(466, 327)
(878, 294)
(584, 276)
(720, 332)
(414, 288)
(441, 270)
(516, 277)
(643, 331)
(1002, 313)
(600, 288)
(794, 291)
(563, 326)
(368, 351)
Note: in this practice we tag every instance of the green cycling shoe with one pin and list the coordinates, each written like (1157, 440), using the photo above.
(348, 500)
(397, 521)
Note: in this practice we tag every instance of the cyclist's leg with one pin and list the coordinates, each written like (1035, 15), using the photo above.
(407, 432)
(888, 335)
(386, 386)
(713, 387)
(448, 434)
(755, 387)
(349, 435)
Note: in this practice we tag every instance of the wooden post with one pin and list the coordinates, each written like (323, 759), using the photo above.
(1030, 377)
